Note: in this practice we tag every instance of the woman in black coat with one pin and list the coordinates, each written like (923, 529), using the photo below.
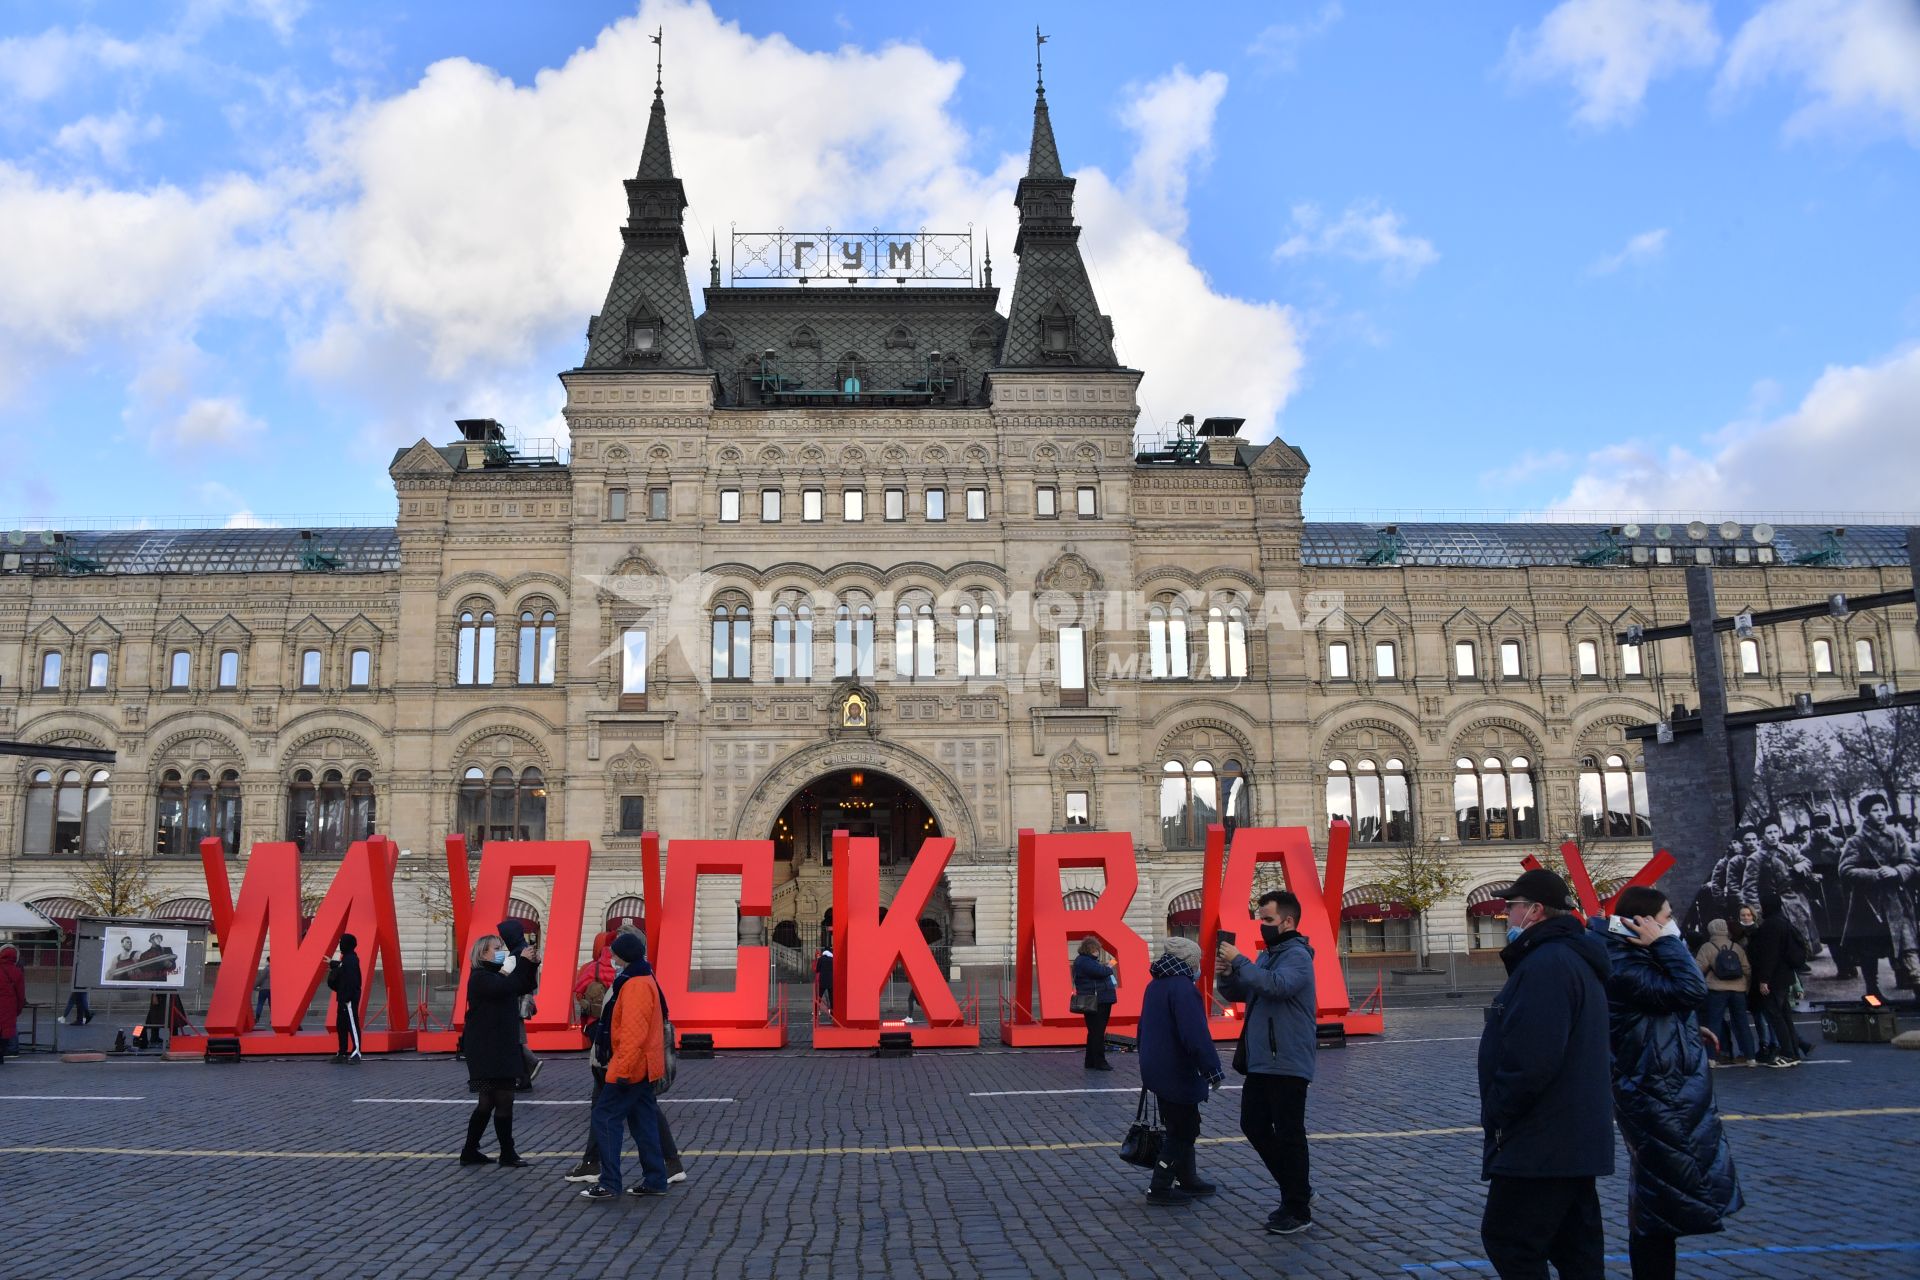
(491, 1043)
(1682, 1181)
(1093, 985)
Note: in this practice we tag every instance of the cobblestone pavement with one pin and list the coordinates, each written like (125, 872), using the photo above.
(989, 1163)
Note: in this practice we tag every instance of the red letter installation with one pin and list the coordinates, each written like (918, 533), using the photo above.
(866, 948)
(359, 901)
(736, 1019)
(1047, 929)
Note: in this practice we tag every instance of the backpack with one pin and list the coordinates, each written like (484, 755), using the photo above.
(592, 999)
(1726, 964)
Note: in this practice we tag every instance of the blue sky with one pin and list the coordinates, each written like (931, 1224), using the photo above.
(1601, 255)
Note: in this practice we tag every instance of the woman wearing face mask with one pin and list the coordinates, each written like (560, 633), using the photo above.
(491, 1043)
(1682, 1180)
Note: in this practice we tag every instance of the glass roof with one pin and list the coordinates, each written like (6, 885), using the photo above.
(352, 550)
(1505, 545)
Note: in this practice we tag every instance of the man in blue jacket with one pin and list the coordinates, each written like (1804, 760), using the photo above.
(1278, 1037)
(1546, 1099)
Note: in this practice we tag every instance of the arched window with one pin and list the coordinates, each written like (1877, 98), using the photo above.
(853, 639)
(330, 815)
(1236, 809)
(1226, 642)
(199, 822)
(300, 806)
(473, 658)
(1167, 656)
(503, 806)
(1749, 657)
(792, 642)
(1613, 799)
(50, 669)
(226, 812)
(732, 643)
(360, 668)
(538, 635)
(1466, 660)
(179, 669)
(170, 817)
(99, 668)
(1823, 657)
(913, 641)
(1374, 800)
(70, 814)
(1510, 667)
(317, 811)
(229, 673)
(360, 807)
(976, 643)
(1588, 658)
(1863, 657)
(310, 669)
(1386, 661)
(1495, 800)
(1339, 661)
(1189, 803)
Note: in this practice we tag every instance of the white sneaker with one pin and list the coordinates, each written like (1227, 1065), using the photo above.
(676, 1177)
(62, 1019)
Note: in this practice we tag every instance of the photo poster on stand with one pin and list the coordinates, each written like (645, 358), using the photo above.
(152, 956)
(1828, 821)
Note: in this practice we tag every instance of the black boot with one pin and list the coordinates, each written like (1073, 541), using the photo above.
(1189, 1180)
(503, 1130)
(470, 1154)
(1162, 1191)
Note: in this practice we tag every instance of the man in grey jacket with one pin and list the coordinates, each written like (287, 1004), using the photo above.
(1279, 1040)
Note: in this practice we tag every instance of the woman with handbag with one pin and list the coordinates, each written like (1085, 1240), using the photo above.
(1179, 1065)
(492, 1041)
(1093, 998)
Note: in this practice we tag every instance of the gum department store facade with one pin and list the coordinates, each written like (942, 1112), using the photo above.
(881, 558)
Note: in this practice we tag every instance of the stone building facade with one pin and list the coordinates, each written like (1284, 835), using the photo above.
(889, 559)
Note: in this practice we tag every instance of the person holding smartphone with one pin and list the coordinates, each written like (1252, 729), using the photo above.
(1680, 1177)
(1094, 992)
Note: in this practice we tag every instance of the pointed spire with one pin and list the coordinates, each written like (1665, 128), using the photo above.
(713, 263)
(1043, 156)
(656, 157)
(986, 279)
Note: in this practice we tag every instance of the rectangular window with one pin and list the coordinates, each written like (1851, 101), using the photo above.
(1339, 664)
(616, 504)
(853, 505)
(50, 670)
(310, 669)
(1589, 658)
(813, 503)
(1073, 666)
(633, 662)
(976, 504)
(1087, 502)
(1046, 502)
(1465, 665)
(180, 669)
(1863, 657)
(729, 506)
(360, 669)
(99, 666)
(770, 506)
(657, 503)
(896, 504)
(1509, 659)
(633, 815)
(1385, 663)
(1079, 811)
(1629, 659)
(1749, 657)
(936, 504)
(229, 674)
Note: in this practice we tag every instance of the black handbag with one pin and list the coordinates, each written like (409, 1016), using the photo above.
(1144, 1137)
(1240, 1051)
(1084, 1002)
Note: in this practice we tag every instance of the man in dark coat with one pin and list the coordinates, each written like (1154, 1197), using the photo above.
(823, 980)
(1546, 1090)
(1776, 950)
(1881, 875)
(1180, 1065)
(514, 934)
(1280, 1040)
(343, 978)
(1822, 851)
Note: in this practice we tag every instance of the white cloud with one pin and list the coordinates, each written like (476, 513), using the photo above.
(35, 68)
(1611, 50)
(1857, 61)
(1527, 466)
(210, 422)
(1279, 45)
(107, 137)
(1850, 445)
(1173, 118)
(1366, 232)
(1642, 248)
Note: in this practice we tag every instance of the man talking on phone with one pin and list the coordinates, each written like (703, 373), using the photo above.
(1546, 1090)
(1277, 1045)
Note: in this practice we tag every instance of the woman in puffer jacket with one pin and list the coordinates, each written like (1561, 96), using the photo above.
(1682, 1181)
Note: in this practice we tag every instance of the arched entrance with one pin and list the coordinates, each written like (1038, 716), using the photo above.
(861, 802)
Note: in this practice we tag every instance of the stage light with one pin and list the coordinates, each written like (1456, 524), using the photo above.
(1872, 1001)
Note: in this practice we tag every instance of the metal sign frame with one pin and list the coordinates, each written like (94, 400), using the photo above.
(841, 255)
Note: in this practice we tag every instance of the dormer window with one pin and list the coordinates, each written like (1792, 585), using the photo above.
(643, 336)
(1056, 333)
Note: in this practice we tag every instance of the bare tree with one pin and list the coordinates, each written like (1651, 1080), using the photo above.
(1419, 874)
(434, 889)
(114, 883)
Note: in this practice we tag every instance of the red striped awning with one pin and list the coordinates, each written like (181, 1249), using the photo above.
(1376, 911)
(1488, 907)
